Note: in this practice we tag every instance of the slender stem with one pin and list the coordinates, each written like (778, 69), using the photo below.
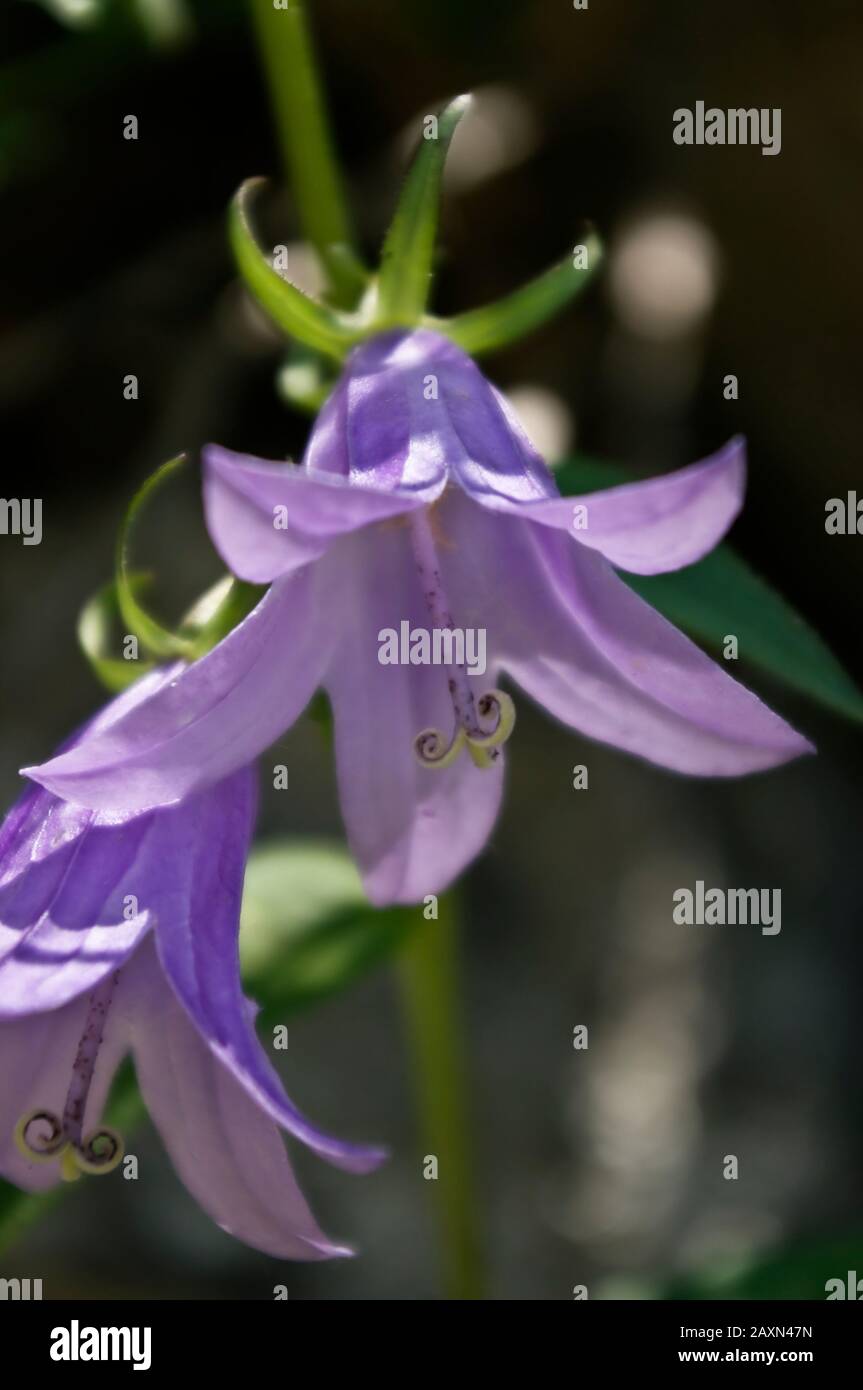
(430, 989)
(303, 130)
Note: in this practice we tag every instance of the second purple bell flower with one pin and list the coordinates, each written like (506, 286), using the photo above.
(118, 934)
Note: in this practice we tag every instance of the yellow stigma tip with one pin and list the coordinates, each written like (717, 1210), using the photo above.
(69, 1170)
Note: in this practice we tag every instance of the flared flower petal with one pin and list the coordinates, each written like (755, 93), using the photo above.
(225, 1148)
(412, 830)
(72, 885)
(212, 718)
(268, 519)
(654, 526)
(582, 644)
(198, 912)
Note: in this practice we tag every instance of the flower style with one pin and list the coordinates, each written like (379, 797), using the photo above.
(420, 500)
(118, 933)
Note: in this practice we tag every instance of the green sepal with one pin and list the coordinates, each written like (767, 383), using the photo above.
(154, 637)
(98, 623)
(212, 617)
(318, 326)
(218, 612)
(496, 325)
(409, 247)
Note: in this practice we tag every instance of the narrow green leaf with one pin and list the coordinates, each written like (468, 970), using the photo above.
(721, 594)
(308, 929)
(408, 253)
(157, 639)
(313, 324)
(517, 314)
(98, 624)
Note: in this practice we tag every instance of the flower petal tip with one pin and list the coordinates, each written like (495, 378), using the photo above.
(328, 1250)
(368, 1159)
(34, 774)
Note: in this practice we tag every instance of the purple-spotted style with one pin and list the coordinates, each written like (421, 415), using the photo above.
(118, 934)
(420, 500)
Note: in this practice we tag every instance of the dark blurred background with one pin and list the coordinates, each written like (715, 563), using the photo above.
(601, 1167)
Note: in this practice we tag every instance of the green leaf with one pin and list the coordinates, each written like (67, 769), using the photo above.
(314, 324)
(408, 253)
(495, 325)
(721, 594)
(798, 1271)
(584, 474)
(308, 929)
(98, 624)
(157, 639)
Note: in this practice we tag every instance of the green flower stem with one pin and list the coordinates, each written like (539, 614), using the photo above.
(304, 135)
(429, 978)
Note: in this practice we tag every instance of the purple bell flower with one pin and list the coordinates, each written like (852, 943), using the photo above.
(118, 934)
(422, 507)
